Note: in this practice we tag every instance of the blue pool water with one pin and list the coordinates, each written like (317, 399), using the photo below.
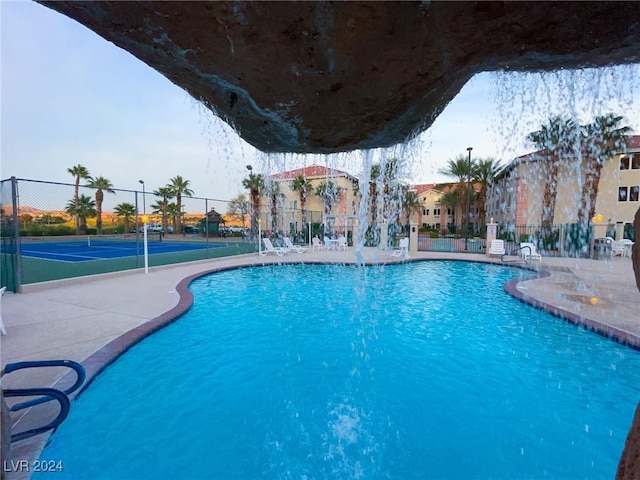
(412, 371)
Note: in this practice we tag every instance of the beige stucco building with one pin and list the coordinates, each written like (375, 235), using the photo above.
(289, 218)
(516, 197)
(434, 216)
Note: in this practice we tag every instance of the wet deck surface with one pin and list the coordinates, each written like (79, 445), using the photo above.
(75, 319)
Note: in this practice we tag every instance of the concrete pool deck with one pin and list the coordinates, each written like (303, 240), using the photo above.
(76, 319)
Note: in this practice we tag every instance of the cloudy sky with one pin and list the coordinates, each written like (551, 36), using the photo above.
(69, 97)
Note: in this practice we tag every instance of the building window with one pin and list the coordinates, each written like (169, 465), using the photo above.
(622, 194)
(624, 163)
(634, 193)
(449, 211)
(426, 211)
(635, 161)
(436, 212)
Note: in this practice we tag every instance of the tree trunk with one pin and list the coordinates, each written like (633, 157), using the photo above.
(99, 199)
(178, 223)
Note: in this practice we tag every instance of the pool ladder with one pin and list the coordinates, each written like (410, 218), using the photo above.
(523, 258)
(43, 395)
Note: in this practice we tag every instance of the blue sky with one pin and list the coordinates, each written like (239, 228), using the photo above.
(69, 97)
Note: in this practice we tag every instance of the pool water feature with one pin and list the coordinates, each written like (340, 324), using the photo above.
(418, 370)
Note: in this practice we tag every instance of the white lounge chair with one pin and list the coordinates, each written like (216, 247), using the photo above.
(288, 245)
(402, 250)
(316, 244)
(269, 248)
(528, 251)
(496, 247)
(617, 248)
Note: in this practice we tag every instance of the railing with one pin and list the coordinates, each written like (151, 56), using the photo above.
(44, 394)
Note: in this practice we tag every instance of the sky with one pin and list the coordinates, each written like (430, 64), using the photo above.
(70, 97)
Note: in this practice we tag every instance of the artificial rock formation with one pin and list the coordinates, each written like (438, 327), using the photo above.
(320, 77)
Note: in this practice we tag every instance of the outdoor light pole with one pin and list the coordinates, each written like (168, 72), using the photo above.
(144, 206)
(249, 202)
(466, 229)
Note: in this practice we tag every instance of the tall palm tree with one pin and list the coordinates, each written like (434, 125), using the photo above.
(103, 185)
(126, 210)
(83, 208)
(255, 184)
(410, 203)
(303, 186)
(458, 169)
(162, 206)
(273, 190)
(452, 199)
(327, 190)
(173, 215)
(557, 140)
(79, 172)
(484, 172)
(603, 138)
(180, 187)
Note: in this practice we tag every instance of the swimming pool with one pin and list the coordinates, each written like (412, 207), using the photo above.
(418, 370)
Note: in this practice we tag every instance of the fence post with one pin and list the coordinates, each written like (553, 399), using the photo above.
(17, 259)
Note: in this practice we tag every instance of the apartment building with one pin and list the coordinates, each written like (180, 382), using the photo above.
(435, 216)
(343, 208)
(516, 197)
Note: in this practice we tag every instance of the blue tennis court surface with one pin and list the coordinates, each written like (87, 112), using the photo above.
(95, 249)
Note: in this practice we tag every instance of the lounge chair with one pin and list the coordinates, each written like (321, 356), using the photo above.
(316, 244)
(617, 248)
(402, 250)
(288, 245)
(529, 252)
(496, 248)
(269, 248)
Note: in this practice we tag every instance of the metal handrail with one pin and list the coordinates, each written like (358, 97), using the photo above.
(514, 252)
(53, 394)
(79, 369)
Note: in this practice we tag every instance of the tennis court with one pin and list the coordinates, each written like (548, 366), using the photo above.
(91, 248)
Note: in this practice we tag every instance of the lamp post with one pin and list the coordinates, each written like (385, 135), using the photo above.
(144, 207)
(466, 227)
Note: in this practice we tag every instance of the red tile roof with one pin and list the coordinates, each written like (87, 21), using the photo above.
(309, 172)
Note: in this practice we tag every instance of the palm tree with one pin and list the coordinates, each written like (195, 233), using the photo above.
(303, 186)
(556, 140)
(451, 199)
(173, 214)
(484, 171)
(82, 207)
(458, 169)
(180, 187)
(102, 185)
(273, 190)
(126, 210)
(410, 203)
(604, 138)
(327, 190)
(79, 172)
(162, 206)
(255, 184)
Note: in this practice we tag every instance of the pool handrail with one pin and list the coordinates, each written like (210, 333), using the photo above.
(53, 394)
(78, 368)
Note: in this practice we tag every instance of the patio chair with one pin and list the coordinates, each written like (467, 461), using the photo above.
(316, 244)
(288, 245)
(269, 248)
(402, 250)
(529, 252)
(342, 243)
(496, 248)
(617, 248)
